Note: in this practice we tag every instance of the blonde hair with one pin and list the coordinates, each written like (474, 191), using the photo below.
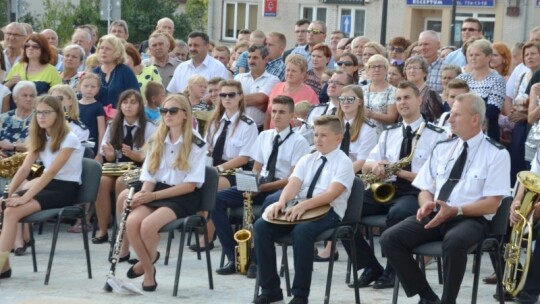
(37, 138)
(220, 109)
(356, 127)
(301, 109)
(298, 60)
(86, 76)
(92, 61)
(119, 51)
(64, 89)
(193, 80)
(157, 141)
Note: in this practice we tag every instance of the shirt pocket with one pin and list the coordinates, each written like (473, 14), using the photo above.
(474, 180)
(237, 142)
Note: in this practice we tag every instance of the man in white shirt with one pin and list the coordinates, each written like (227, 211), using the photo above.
(257, 83)
(14, 37)
(462, 184)
(471, 27)
(201, 63)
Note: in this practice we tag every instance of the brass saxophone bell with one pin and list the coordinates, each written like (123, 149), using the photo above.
(383, 192)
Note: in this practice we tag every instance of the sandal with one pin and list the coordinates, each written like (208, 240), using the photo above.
(77, 228)
(22, 250)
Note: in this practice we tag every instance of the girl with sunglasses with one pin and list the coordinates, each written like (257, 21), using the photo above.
(51, 141)
(171, 185)
(123, 142)
(230, 137)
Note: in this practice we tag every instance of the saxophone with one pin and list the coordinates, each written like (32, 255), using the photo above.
(516, 263)
(120, 238)
(244, 238)
(384, 192)
(10, 165)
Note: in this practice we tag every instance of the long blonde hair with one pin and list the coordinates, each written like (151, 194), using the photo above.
(157, 141)
(37, 137)
(64, 89)
(359, 117)
(220, 109)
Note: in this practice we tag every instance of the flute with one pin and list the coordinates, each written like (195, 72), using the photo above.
(3, 206)
(120, 237)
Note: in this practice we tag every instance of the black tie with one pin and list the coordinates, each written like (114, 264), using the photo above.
(272, 160)
(455, 175)
(406, 145)
(316, 178)
(128, 139)
(334, 111)
(217, 154)
(346, 141)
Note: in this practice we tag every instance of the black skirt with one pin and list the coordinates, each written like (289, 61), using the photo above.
(57, 194)
(182, 205)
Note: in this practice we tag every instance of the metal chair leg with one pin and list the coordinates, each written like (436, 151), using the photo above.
(85, 242)
(53, 248)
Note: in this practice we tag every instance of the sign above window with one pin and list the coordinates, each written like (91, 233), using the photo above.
(357, 2)
(468, 3)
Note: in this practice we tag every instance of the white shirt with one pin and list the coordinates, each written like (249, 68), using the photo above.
(240, 138)
(516, 73)
(535, 165)
(338, 169)
(486, 172)
(167, 174)
(149, 130)
(264, 84)
(289, 151)
(81, 132)
(321, 110)
(71, 171)
(8, 64)
(389, 144)
(209, 68)
(360, 148)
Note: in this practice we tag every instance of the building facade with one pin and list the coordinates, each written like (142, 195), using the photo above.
(504, 20)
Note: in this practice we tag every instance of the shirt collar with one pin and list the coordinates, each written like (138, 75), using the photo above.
(329, 154)
(415, 125)
(128, 125)
(473, 142)
(232, 118)
(283, 134)
(178, 141)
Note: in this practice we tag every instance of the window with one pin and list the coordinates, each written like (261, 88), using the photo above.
(314, 13)
(488, 25)
(352, 22)
(238, 16)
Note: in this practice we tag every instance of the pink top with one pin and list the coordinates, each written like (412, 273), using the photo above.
(304, 93)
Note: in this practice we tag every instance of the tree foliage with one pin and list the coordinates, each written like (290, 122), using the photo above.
(142, 16)
(197, 13)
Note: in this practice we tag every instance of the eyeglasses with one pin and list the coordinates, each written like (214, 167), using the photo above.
(229, 95)
(335, 82)
(314, 31)
(468, 29)
(348, 99)
(377, 67)
(45, 113)
(32, 46)
(346, 63)
(413, 68)
(172, 110)
(396, 49)
(14, 34)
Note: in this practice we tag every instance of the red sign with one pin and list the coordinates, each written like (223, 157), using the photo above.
(270, 8)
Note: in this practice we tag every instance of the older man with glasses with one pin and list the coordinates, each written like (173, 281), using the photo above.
(316, 33)
(14, 37)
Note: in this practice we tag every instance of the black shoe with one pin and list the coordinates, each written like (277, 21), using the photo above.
(131, 272)
(298, 300)
(369, 275)
(507, 297)
(252, 271)
(317, 258)
(101, 239)
(229, 268)
(151, 287)
(426, 301)
(123, 259)
(526, 298)
(22, 250)
(6, 274)
(267, 299)
(385, 281)
(201, 249)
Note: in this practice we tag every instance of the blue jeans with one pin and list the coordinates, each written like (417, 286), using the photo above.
(303, 236)
(232, 198)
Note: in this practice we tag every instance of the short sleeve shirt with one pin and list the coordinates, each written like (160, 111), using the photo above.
(71, 171)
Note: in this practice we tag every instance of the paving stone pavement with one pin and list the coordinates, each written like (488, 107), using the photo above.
(69, 282)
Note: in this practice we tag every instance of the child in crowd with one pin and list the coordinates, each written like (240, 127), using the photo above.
(91, 112)
(154, 94)
(71, 110)
(301, 111)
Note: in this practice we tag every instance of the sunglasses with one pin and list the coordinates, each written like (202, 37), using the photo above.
(172, 110)
(229, 95)
(346, 63)
(348, 99)
(468, 29)
(315, 31)
(396, 49)
(32, 46)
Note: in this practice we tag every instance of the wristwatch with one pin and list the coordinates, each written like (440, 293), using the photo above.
(220, 168)
(459, 211)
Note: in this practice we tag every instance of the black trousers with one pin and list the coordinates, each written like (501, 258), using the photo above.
(458, 235)
(402, 206)
(532, 284)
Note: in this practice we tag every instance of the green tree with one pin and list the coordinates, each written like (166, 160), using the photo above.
(197, 13)
(142, 16)
(4, 16)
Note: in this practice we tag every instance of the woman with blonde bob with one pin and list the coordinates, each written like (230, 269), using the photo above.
(61, 153)
(171, 185)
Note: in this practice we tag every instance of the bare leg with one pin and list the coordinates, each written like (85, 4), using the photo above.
(325, 253)
(222, 184)
(103, 204)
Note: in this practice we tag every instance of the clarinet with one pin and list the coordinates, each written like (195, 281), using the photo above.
(120, 237)
(3, 206)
